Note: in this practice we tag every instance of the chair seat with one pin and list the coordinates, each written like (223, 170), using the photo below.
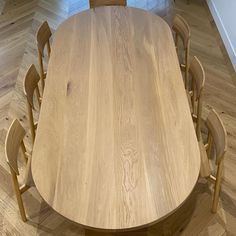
(205, 169)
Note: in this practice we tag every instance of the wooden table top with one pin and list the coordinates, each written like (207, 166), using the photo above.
(115, 147)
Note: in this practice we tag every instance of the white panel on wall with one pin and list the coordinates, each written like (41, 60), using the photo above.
(224, 14)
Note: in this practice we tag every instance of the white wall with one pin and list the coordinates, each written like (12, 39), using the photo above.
(224, 14)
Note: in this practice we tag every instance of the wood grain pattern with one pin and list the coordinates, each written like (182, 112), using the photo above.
(123, 152)
(15, 22)
(19, 23)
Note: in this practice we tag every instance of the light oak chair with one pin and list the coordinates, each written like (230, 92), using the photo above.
(30, 85)
(97, 3)
(213, 149)
(194, 92)
(188, 1)
(182, 30)
(14, 141)
(43, 39)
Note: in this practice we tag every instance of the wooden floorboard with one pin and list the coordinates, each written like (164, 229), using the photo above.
(19, 20)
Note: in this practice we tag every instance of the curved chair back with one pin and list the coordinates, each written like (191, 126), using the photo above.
(14, 140)
(30, 88)
(197, 84)
(97, 3)
(182, 30)
(43, 39)
(218, 135)
(217, 145)
(198, 77)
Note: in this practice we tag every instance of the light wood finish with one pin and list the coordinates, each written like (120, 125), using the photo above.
(43, 39)
(205, 170)
(18, 50)
(182, 30)
(31, 87)
(216, 146)
(97, 3)
(14, 141)
(113, 155)
(195, 88)
(188, 1)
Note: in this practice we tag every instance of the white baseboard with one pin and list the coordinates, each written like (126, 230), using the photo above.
(223, 32)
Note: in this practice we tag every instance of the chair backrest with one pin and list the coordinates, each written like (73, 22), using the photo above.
(31, 81)
(97, 3)
(198, 77)
(181, 28)
(43, 36)
(218, 134)
(14, 139)
(197, 83)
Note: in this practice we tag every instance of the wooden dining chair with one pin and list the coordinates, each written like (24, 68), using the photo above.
(213, 149)
(31, 88)
(43, 39)
(182, 30)
(194, 92)
(97, 3)
(188, 1)
(14, 142)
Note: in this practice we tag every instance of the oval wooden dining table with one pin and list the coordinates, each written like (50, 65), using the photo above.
(115, 147)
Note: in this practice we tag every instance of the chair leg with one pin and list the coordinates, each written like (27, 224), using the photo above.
(217, 188)
(18, 196)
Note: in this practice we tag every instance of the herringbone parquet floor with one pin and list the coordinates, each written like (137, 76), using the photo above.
(19, 20)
